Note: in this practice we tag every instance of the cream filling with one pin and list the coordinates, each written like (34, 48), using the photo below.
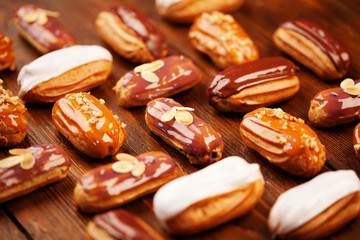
(58, 62)
(300, 204)
(221, 177)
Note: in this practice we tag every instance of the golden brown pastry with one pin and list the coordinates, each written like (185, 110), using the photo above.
(7, 56)
(72, 69)
(88, 124)
(131, 34)
(31, 168)
(40, 28)
(284, 140)
(185, 11)
(13, 125)
(161, 78)
(254, 84)
(183, 130)
(314, 47)
(316, 208)
(356, 140)
(220, 37)
(120, 224)
(209, 197)
(327, 107)
(118, 183)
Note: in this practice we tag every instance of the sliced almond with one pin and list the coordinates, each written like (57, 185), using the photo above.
(150, 67)
(357, 85)
(168, 115)
(42, 18)
(28, 162)
(150, 76)
(127, 158)
(18, 151)
(184, 117)
(122, 167)
(11, 161)
(31, 17)
(138, 170)
(49, 13)
(352, 91)
(346, 83)
(185, 108)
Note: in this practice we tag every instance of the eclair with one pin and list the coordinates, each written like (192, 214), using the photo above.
(41, 29)
(220, 37)
(284, 140)
(118, 183)
(120, 224)
(88, 124)
(72, 69)
(328, 108)
(131, 34)
(181, 128)
(7, 56)
(317, 208)
(31, 168)
(209, 197)
(356, 140)
(161, 78)
(13, 125)
(254, 84)
(314, 47)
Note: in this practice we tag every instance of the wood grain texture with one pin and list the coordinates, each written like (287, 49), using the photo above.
(49, 213)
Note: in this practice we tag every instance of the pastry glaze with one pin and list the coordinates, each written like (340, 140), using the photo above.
(55, 63)
(88, 121)
(219, 178)
(47, 157)
(50, 36)
(103, 183)
(178, 73)
(144, 27)
(302, 203)
(324, 40)
(7, 56)
(197, 139)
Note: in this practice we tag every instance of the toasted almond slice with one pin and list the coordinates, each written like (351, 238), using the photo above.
(357, 147)
(18, 151)
(357, 85)
(183, 117)
(352, 91)
(150, 67)
(11, 161)
(168, 115)
(31, 17)
(122, 167)
(185, 108)
(149, 76)
(49, 13)
(138, 170)
(42, 18)
(127, 158)
(28, 162)
(346, 83)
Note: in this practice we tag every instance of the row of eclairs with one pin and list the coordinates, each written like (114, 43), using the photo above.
(248, 84)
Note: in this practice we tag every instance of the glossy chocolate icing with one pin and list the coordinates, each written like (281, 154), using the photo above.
(198, 139)
(121, 224)
(7, 55)
(52, 35)
(234, 79)
(144, 27)
(324, 40)
(338, 104)
(47, 157)
(103, 183)
(177, 72)
(102, 134)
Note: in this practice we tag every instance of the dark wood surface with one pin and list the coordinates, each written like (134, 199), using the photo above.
(49, 213)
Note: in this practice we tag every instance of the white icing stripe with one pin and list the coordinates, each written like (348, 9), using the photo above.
(221, 177)
(300, 204)
(58, 62)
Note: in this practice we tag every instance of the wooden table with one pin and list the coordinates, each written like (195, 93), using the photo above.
(49, 213)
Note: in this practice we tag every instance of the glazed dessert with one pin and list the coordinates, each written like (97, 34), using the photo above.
(7, 56)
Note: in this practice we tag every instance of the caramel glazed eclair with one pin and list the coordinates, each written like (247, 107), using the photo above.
(316, 208)
(209, 197)
(254, 84)
(72, 69)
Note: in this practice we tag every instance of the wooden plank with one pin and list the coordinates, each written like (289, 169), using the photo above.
(8, 229)
(49, 213)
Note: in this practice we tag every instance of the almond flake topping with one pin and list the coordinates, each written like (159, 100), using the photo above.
(40, 16)
(149, 76)
(127, 163)
(138, 170)
(122, 167)
(349, 86)
(181, 115)
(127, 158)
(150, 67)
(357, 147)
(28, 162)
(21, 156)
